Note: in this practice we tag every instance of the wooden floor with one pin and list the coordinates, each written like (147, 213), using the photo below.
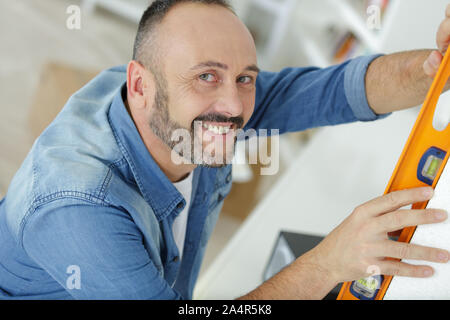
(34, 34)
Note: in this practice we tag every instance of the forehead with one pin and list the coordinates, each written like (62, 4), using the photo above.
(192, 33)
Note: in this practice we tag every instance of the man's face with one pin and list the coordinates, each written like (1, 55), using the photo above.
(207, 81)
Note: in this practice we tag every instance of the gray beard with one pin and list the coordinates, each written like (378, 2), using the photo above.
(163, 126)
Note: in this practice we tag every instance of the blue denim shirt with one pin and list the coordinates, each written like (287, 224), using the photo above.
(89, 214)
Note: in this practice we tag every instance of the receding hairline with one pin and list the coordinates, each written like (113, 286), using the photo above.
(147, 33)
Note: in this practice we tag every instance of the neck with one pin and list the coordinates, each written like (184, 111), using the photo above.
(160, 152)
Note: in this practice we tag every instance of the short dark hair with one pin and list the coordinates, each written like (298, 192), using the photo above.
(154, 14)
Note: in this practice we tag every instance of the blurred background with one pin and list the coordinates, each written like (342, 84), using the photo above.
(46, 56)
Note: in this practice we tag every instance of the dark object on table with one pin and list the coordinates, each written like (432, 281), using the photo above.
(288, 247)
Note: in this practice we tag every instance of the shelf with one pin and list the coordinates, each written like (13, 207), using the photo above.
(131, 10)
(318, 27)
(356, 24)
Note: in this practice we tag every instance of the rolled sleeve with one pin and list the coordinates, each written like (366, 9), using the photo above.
(297, 99)
(355, 88)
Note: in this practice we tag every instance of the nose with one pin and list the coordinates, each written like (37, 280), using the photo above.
(229, 102)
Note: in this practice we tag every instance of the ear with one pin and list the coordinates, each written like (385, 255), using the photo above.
(140, 86)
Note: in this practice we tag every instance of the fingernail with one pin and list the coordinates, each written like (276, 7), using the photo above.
(440, 215)
(428, 273)
(433, 60)
(443, 256)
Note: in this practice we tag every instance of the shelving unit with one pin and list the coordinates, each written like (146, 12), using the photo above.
(315, 27)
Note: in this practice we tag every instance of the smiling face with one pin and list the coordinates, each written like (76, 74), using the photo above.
(206, 82)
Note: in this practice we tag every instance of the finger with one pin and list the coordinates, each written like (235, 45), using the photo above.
(401, 250)
(432, 63)
(443, 35)
(400, 219)
(398, 268)
(395, 200)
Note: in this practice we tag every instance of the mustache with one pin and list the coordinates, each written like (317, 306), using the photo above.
(216, 117)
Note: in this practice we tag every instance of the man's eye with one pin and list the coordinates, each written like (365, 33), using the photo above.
(209, 77)
(245, 79)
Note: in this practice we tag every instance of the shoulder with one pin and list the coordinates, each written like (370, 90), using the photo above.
(74, 157)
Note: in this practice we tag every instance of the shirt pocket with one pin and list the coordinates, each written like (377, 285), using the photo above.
(222, 189)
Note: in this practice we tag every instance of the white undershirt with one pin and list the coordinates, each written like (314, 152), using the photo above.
(180, 222)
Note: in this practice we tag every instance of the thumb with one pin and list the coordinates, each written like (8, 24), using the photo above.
(432, 63)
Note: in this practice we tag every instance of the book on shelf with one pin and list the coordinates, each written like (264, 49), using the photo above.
(348, 45)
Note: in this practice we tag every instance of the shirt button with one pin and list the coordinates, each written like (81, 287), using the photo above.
(180, 205)
(175, 259)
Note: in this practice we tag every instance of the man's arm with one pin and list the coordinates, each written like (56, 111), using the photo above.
(305, 279)
(361, 242)
(357, 246)
(398, 81)
(297, 99)
(401, 80)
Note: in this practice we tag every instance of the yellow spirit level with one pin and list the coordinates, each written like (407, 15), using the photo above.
(421, 164)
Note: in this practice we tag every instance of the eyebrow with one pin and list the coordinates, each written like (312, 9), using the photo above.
(209, 64)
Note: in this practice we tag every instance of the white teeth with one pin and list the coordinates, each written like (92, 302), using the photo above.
(217, 129)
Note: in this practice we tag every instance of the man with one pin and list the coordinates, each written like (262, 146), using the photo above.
(108, 205)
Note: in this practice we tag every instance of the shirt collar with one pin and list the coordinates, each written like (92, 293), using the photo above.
(157, 190)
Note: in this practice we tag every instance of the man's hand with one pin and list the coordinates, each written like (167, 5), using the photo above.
(433, 61)
(357, 247)
(361, 244)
